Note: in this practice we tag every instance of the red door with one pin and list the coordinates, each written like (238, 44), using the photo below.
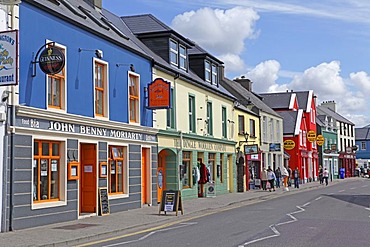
(161, 175)
(144, 176)
(88, 178)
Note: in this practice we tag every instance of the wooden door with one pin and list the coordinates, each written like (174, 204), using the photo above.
(161, 175)
(144, 176)
(88, 179)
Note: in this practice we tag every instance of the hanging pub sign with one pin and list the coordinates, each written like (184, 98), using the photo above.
(320, 140)
(311, 136)
(251, 149)
(8, 58)
(51, 60)
(159, 94)
(289, 144)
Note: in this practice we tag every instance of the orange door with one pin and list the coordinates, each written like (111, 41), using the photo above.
(88, 179)
(144, 176)
(161, 176)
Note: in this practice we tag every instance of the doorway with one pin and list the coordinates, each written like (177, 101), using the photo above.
(145, 176)
(88, 179)
(161, 175)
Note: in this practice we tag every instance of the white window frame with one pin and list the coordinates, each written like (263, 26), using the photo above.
(207, 71)
(125, 170)
(183, 57)
(174, 51)
(214, 76)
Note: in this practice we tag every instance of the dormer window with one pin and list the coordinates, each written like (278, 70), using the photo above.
(210, 72)
(214, 74)
(183, 57)
(174, 52)
(207, 66)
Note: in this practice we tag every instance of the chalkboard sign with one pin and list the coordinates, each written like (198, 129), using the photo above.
(103, 201)
(171, 202)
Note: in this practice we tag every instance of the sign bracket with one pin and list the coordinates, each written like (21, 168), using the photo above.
(34, 62)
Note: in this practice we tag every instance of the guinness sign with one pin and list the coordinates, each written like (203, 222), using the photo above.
(51, 60)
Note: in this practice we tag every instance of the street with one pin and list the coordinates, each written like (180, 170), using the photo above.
(336, 215)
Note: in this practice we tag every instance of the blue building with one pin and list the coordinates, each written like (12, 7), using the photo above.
(363, 146)
(78, 118)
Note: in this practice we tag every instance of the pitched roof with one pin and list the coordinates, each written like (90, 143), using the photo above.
(103, 24)
(277, 101)
(362, 134)
(244, 95)
(291, 120)
(322, 110)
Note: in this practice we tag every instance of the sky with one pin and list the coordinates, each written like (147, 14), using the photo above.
(319, 45)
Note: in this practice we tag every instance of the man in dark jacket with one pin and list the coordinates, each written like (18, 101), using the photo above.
(296, 178)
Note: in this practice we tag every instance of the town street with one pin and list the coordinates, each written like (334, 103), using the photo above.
(336, 215)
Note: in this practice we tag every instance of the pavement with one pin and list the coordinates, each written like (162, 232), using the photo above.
(90, 229)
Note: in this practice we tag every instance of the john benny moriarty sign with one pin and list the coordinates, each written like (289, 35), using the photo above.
(51, 60)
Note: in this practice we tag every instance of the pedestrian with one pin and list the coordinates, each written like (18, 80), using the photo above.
(296, 178)
(271, 178)
(289, 176)
(326, 176)
(321, 175)
(278, 177)
(285, 175)
(264, 178)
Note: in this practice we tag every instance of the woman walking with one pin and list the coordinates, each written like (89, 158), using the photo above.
(271, 178)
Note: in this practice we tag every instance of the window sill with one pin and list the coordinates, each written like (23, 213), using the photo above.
(117, 196)
(42, 205)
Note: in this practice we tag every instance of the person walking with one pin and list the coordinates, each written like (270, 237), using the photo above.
(326, 176)
(278, 177)
(321, 175)
(271, 178)
(285, 175)
(296, 178)
(264, 178)
(289, 176)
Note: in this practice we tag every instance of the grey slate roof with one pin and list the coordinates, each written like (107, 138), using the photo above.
(277, 100)
(320, 120)
(362, 134)
(302, 98)
(243, 94)
(83, 15)
(322, 110)
(159, 62)
(290, 121)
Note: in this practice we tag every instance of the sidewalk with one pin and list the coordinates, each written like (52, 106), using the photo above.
(90, 229)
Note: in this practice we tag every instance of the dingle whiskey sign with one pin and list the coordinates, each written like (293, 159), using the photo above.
(159, 94)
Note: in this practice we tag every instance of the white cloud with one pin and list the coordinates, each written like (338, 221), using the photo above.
(264, 77)
(220, 31)
(232, 62)
(361, 80)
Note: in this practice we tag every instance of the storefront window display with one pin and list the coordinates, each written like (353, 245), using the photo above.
(116, 169)
(211, 166)
(185, 169)
(46, 171)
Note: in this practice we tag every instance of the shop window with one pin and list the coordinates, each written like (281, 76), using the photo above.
(134, 97)
(185, 169)
(117, 172)
(56, 86)
(46, 171)
(101, 93)
(220, 168)
(211, 166)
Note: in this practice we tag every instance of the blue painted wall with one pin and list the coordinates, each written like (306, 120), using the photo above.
(363, 154)
(37, 26)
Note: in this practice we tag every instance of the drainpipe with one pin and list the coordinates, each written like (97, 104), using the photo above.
(179, 160)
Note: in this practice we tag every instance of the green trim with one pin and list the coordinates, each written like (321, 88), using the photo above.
(195, 137)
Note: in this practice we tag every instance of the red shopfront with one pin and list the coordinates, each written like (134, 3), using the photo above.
(348, 162)
(253, 170)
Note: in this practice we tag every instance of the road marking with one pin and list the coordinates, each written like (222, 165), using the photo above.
(363, 186)
(318, 198)
(341, 190)
(308, 203)
(273, 227)
(353, 188)
(151, 233)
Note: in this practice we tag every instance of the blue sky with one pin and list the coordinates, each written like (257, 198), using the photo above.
(282, 45)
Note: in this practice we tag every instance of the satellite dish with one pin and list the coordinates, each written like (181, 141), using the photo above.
(10, 2)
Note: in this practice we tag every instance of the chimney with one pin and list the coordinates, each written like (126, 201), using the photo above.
(245, 82)
(95, 3)
(330, 105)
(222, 72)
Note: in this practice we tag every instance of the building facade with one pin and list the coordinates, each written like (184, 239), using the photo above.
(78, 119)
